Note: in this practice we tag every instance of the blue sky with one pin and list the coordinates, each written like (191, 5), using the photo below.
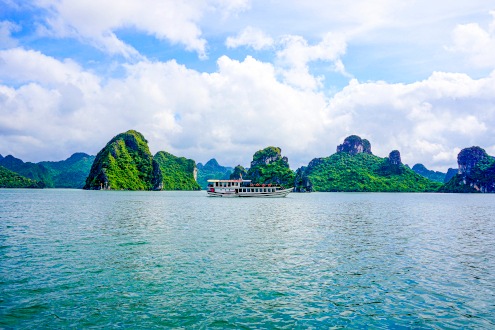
(223, 79)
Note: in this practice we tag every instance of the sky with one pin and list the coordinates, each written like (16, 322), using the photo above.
(222, 79)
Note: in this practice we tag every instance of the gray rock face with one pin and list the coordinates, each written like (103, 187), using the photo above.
(476, 172)
(394, 157)
(468, 158)
(302, 183)
(354, 145)
(270, 156)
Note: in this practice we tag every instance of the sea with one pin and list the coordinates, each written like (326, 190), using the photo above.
(182, 260)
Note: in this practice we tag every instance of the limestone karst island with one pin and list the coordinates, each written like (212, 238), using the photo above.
(126, 163)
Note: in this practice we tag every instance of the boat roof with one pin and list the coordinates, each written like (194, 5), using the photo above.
(240, 180)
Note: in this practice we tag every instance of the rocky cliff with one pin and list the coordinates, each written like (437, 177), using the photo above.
(125, 163)
(268, 166)
(476, 172)
(354, 145)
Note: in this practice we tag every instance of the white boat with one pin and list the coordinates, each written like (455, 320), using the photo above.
(244, 188)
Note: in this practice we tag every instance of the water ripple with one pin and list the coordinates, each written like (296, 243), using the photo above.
(80, 259)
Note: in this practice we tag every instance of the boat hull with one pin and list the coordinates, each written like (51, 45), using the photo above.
(273, 194)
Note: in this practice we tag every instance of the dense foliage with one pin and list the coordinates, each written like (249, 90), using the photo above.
(212, 170)
(177, 172)
(70, 173)
(481, 178)
(363, 172)
(10, 179)
(125, 163)
(35, 172)
(268, 166)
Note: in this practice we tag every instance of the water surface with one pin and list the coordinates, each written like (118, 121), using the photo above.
(110, 259)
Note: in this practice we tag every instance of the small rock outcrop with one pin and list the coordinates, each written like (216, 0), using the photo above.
(239, 173)
(268, 166)
(302, 182)
(392, 165)
(267, 156)
(354, 145)
(468, 158)
(394, 158)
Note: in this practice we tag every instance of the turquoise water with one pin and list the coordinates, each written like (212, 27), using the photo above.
(80, 259)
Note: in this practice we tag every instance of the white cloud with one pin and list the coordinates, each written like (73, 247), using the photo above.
(58, 108)
(6, 29)
(20, 66)
(96, 22)
(296, 54)
(251, 37)
(424, 120)
(476, 43)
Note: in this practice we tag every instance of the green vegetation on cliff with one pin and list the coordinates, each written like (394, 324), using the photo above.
(268, 166)
(476, 173)
(125, 163)
(177, 172)
(355, 168)
(10, 179)
(238, 173)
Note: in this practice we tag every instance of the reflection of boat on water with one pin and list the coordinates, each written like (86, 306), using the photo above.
(244, 188)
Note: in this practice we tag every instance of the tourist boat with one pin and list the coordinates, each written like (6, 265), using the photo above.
(244, 188)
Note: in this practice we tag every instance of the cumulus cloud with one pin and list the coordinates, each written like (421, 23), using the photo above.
(428, 121)
(57, 108)
(6, 29)
(250, 37)
(476, 42)
(296, 54)
(96, 22)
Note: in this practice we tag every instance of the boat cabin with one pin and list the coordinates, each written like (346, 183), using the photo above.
(239, 187)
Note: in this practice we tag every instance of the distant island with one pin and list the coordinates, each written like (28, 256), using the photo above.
(69, 173)
(354, 168)
(126, 163)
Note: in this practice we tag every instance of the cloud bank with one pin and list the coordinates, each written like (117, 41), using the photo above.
(265, 88)
(59, 108)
